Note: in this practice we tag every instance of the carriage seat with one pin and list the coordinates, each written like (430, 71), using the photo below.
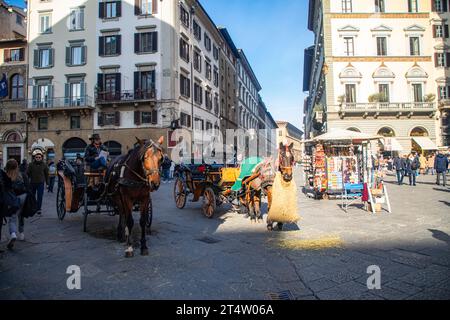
(247, 168)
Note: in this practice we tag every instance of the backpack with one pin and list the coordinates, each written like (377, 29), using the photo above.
(30, 206)
(10, 203)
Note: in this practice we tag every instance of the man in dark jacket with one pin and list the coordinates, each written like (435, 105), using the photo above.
(93, 151)
(398, 165)
(441, 166)
(165, 166)
(412, 165)
(38, 174)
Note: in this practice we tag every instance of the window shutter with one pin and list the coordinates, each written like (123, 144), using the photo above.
(445, 6)
(83, 93)
(119, 8)
(154, 6)
(136, 84)
(137, 117)
(50, 95)
(137, 8)
(436, 59)
(100, 121)
(154, 116)
(22, 54)
(36, 59)
(35, 96)
(136, 43)
(7, 55)
(118, 83)
(434, 31)
(155, 41)
(101, 46)
(119, 44)
(83, 54)
(101, 10)
(448, 91)
(447, 59)
(117, 119)
(99, 82)
(51, 57)
(433, 6)
(66, 94)
(446, 31)
(68, 57)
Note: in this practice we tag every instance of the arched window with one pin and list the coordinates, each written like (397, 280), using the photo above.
(72, 147)
(17, 87)
(419, 132)
(114, 148)
(354, 129)
(386, 132)
(13, 137)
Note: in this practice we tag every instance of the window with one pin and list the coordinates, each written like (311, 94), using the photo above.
(43, 123)
(75, 122)
(216, 77)
(110, 83)
(110, 45)
(438, 5)
(19, 19)
(109, 119)
(17, 87)
(198, 94)
(149, 117)
(440, 59)
(198, 124)
(350, 93)
(42, 94)
(110, 9)
(43, 58)
(349, 46)
(197, 31)
(76, 19)
(208, 100)
(215, 52)
(45, 23)
(146, 7)
(146, 42)
(413, 6)
(381, 46)
(414, 46)
(76, 55)
(185, 86)
(383, 89)
(417, 92)
(185, 120)
(209, 125)
(443, 92)
(438, 31)
(184, 50)
(75, 91)
(13, 55)
(379, 6)
(346, 6)
(216, 104)
(184, 16)
(207, 42)
(12, 117)
(144, 84)
(208, 70)
(197, 61)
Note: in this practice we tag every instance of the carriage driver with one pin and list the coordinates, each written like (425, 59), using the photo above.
(93, 155)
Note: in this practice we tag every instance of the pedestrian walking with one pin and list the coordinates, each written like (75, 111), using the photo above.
(23, 166)
(51, 176)
(430, 163)
(390, 164)
(38, 174)
(165, 166)
(412, 165)
(441, 167)
(398, 166)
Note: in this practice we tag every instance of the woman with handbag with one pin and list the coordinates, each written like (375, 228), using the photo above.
(15, 184)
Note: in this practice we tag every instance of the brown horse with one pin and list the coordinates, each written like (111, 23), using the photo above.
(131, 178)
(261, 182)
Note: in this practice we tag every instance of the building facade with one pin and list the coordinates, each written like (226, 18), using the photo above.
(372, 69)
(287, 134)
(13, 67)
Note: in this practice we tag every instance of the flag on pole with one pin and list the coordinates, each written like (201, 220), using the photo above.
(3, 87)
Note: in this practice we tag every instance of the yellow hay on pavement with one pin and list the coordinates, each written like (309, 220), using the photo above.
(311, 244)
(284, 201)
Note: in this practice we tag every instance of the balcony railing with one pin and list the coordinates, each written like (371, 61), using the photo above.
(61, 102)
(126, 96)
(388, 106)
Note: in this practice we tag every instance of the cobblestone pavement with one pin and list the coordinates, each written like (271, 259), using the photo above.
(228, 257)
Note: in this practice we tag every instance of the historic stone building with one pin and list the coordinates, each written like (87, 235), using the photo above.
(372, 69)
(287, 133)
(13, 66)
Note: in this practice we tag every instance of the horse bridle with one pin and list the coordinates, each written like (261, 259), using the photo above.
(147, 172)
(281, 167)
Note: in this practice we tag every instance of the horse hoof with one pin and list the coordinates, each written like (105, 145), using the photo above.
(144, 252)
(129, 254)
(269, 227)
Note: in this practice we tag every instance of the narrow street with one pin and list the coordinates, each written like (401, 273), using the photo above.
(228, 257)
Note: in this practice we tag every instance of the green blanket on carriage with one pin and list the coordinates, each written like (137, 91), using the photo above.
(247, 167)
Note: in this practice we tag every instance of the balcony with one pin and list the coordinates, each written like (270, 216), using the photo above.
(388, 108)
(48, 106)
(127, 96)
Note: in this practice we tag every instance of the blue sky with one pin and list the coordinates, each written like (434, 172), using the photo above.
(273, 35)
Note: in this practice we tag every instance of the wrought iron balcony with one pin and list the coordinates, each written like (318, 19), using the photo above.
(106, 97)
(61, 102)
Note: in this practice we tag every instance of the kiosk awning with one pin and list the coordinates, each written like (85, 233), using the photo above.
(425, 143)
(391, 144)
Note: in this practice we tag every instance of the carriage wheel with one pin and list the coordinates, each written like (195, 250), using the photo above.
(61, 201)
(149, 214)
(209, 203)
(86, 211)
(179, 193)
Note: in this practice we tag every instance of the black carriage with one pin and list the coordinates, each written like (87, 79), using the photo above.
(79, 188)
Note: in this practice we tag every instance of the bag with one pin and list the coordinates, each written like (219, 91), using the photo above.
(11, 203)
(30, 206)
